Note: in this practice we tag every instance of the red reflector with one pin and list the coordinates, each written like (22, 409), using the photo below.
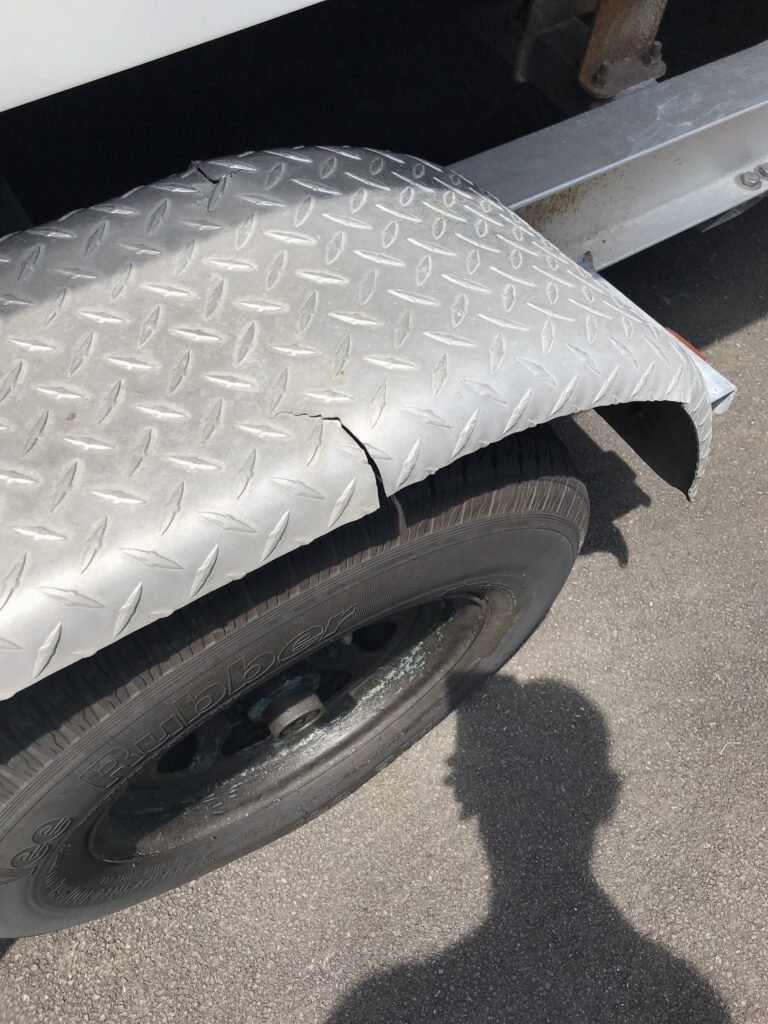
(687, 343)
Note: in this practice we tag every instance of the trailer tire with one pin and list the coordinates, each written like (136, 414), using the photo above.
(226, 725)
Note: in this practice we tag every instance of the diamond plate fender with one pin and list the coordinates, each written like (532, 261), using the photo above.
(202, 375)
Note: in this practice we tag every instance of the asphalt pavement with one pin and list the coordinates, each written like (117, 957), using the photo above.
(585, 840)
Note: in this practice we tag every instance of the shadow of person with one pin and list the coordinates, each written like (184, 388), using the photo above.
(532, 766)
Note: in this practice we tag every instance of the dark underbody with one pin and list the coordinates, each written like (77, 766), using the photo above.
(394, 74)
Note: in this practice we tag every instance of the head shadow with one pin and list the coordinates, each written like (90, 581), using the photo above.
(532, 766)
(544, 767)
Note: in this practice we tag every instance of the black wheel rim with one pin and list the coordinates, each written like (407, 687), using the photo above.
(285, 725)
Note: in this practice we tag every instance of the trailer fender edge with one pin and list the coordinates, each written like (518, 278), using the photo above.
(218, 368)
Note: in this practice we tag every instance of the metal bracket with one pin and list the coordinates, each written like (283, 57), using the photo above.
(543, 16)
(619, 50)
(628, 174)
(622, 50)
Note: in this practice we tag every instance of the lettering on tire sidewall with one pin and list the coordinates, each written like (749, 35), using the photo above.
(27, 860)
(121, 760)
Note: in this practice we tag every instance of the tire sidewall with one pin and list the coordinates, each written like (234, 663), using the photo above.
(36, 838)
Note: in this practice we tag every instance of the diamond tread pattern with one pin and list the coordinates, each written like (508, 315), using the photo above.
(202, 375)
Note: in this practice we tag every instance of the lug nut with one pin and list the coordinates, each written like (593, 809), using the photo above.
(293, 713)
(653, 56)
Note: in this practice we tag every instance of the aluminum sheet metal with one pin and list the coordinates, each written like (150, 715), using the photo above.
(213, 370)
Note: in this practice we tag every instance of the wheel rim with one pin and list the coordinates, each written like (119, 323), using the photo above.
(284, 726)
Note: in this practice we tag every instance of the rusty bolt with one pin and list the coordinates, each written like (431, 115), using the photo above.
(600, 77)
(653, 57)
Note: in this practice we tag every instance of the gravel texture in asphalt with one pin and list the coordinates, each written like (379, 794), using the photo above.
(585, 840)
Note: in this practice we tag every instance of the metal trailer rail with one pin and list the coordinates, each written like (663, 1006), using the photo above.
(655, 161)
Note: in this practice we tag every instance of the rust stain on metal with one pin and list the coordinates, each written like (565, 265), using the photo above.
(622, 50)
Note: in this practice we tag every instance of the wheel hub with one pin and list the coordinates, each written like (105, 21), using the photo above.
(333, 693)
(292, 713)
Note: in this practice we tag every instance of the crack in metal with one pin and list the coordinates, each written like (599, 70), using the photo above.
(380, 490)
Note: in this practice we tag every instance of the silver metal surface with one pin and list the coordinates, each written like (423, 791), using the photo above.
(193, 377)
(751, 180)
(721, 391)
(642, 168)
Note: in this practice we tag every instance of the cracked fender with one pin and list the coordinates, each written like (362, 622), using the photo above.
(213, 370)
